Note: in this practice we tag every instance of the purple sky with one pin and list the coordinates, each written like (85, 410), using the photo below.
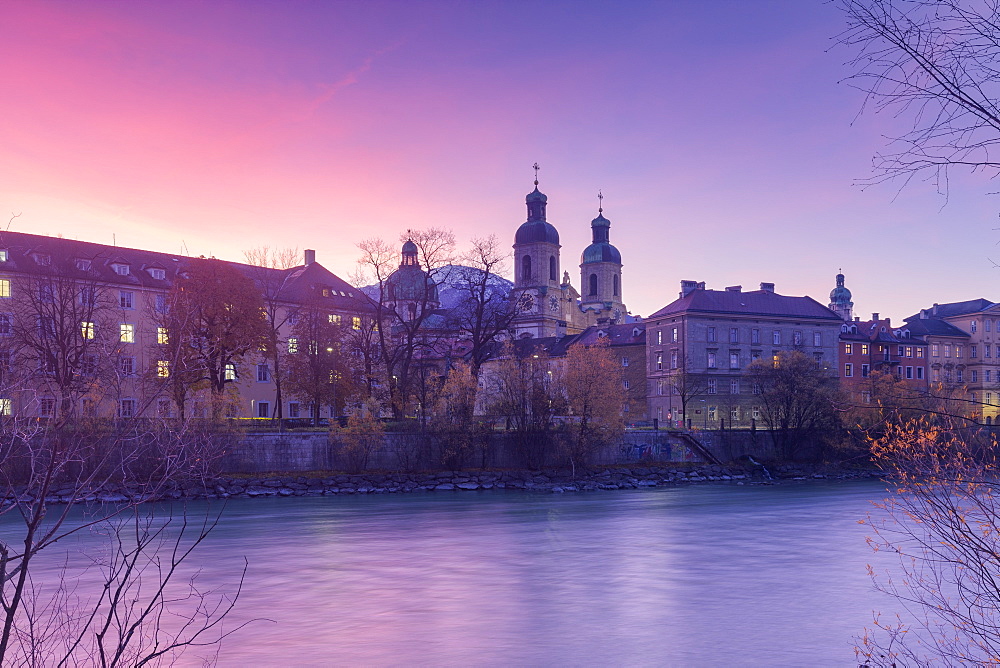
(725, 147)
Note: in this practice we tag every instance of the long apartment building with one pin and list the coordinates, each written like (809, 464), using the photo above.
(55, 293)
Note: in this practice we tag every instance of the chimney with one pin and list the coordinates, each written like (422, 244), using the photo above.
(857, 318)
(734, 288)
(310, 256)
(687, 287)
(767, 287)
(874, 316)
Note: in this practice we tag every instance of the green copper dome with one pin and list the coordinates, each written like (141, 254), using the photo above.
(840, 294)
(601, 249)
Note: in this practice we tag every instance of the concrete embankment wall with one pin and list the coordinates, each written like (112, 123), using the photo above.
(311, 451)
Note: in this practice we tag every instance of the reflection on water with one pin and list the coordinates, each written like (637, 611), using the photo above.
(707, 575)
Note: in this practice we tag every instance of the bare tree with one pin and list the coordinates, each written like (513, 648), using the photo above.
(686, 385)
(406, 296)
(485, 310)
(935, 64)
(130, 607)
(941, 522)
(269, 271)
(319, 365)
(596, 399)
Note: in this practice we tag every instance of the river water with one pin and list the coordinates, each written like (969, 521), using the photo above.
(709, 575)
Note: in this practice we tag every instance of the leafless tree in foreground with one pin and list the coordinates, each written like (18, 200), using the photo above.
(942, 522)
(935, 65)
(133, 603)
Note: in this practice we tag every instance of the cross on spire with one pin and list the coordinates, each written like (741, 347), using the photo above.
(536, 168)
(600, 202)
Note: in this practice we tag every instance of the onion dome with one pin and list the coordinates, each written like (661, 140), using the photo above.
(601, 249)
(840, 294)
(535, 229)
(410, 282)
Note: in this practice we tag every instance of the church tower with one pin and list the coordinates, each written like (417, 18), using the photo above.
(601, 275)
(840, 300)
(537, 284)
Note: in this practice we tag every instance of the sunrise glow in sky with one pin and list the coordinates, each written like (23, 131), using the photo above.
(717, 130)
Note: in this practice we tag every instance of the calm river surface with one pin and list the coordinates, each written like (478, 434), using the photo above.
(708, 575)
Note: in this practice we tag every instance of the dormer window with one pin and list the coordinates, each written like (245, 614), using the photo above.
(3, 254)
(82, 264)
(120, 269)
(157, 274)
(635, 332)
(42, 259)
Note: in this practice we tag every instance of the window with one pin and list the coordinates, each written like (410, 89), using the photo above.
(986, 325)
(88, 296)
(934, 350)
(958, 375)
(162, 337)
(593, 284)
(935, 375)
(712, 386)
(659, 388)
(659, 361)
(120, 269)
(973, 376)
(88, 365)
(899, 351)
(734, 335)
(554, 272)
(754, 355)
(866, 397)
(920, 373)
(909, 372)
(972, 326)
(47, 406)
(899, 371)
(734, 386)
(127, 334)
(263, 373)
(673, 359)
(848, 371)
(333, 319)
(230, 371)
(126, 408)
(908, 351)
(263, 409)
(958, 351)
(673, 335)
(126, 365)
(659, 337)
(162, 368)
(3, 255)
(756, 388)
(865, 370)
(947, 350)
(973, 351)
(126, 299)
(864, 348)
(848, 348)
(157, 274)
(989, 398)
(42, 260)
(711, 360)
(711, 335)
(87, 329)
(45, 293)
(160, 303)
(819, 358)
(4, 407)
(356, 322)
(776, 338)
(625, 384)
(624, 361)
(293, 409)
(796, 338)
(293, 346)
(817, 338)
(734, 360)
(712, 412)
(920, 353)
(755, 336)
(986, 375)
(163, 408)
(755, 412)
(4, 287)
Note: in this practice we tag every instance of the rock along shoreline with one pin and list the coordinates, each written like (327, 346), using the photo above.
(545, 481)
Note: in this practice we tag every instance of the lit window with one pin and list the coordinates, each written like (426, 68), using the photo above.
(659, 361)
(848, 349)
(162, 337)
(334, 319)
(293, 346)
(920, 353)
(162, 368)
(4, 287)
(355, 322)
(947, 350)
(4, 406)
(848, 370)
(908, 351)
(87, 329)
(127, 333)
(673, 335)
(230, 371)
(864, 348)
(935, 350)
(126, 299)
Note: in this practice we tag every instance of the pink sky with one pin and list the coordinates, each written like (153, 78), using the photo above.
(725, 147)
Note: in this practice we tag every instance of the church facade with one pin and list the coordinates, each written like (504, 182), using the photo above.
(547, 303)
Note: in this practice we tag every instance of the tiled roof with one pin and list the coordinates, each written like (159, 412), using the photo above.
(95, 262)
(633, 334)
(933, 327)
(757, 302)
(953, 309)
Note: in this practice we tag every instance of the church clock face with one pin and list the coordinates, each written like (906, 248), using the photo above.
(553, 304)
(526, 303)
